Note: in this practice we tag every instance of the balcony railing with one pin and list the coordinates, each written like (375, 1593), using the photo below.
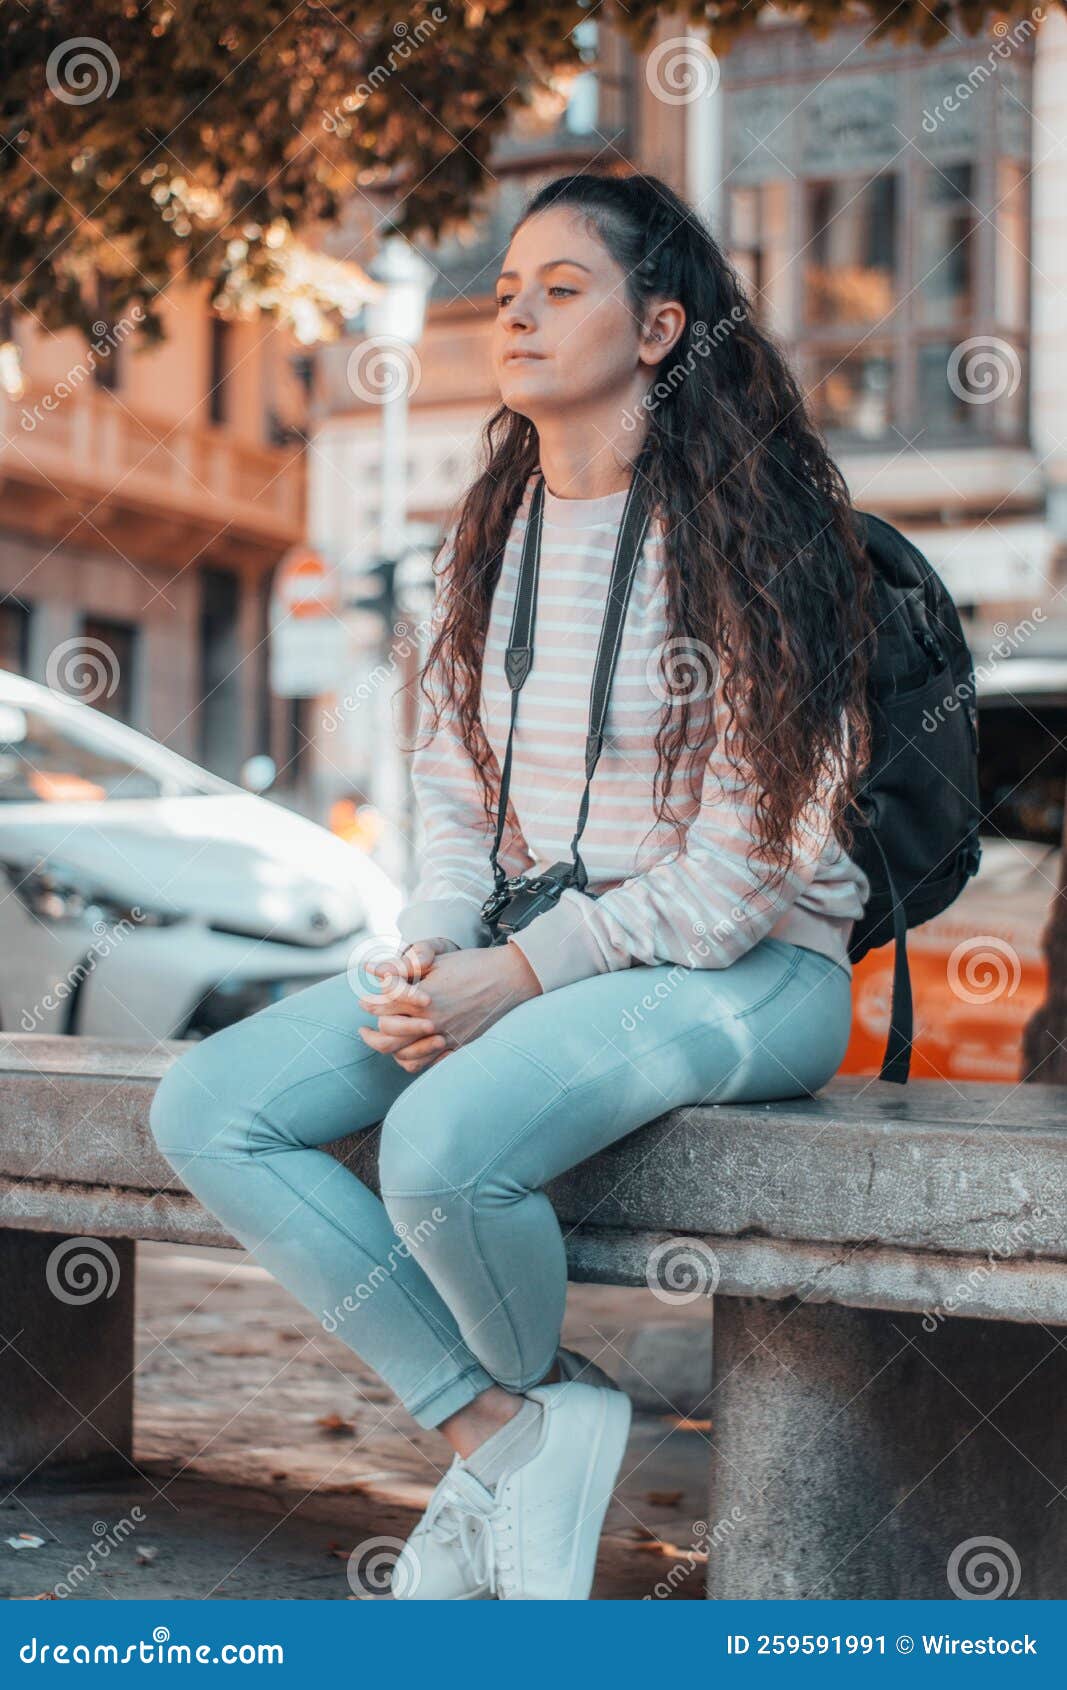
(89, 442)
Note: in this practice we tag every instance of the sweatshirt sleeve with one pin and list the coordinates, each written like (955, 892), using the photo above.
(455, 876)
(699, 908)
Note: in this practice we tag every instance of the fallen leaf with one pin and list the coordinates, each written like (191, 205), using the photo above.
(672, 1552)
(335, 1425)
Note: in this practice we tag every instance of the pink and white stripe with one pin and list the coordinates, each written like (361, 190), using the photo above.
(654, 905)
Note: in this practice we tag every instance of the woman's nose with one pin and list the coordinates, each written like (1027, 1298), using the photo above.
(518, 316)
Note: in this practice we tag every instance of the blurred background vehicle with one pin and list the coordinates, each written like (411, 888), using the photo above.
(145, 898)
(977, 970)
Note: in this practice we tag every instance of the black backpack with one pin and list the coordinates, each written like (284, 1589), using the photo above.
(916, 833)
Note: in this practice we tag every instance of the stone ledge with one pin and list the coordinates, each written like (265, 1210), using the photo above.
(863, 1274)
(931, 1196)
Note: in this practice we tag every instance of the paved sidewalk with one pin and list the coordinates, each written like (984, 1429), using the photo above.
(266, 1453)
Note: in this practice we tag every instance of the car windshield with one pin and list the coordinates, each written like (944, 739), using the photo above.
(58, 755)
(1022, 768)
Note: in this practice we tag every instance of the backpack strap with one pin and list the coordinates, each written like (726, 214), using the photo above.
(897, 1058)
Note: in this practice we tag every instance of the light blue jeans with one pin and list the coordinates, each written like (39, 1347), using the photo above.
(457, 1279)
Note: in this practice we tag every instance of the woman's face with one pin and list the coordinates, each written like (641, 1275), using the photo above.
(564, 334)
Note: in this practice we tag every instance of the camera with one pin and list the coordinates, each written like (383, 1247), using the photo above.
(515, 904)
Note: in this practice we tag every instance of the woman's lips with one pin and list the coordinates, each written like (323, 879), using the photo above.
(522, 357)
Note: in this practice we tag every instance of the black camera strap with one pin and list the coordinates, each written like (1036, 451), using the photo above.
(518, 660)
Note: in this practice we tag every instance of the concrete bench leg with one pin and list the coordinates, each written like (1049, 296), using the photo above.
(66, 1353)
(856, 1453)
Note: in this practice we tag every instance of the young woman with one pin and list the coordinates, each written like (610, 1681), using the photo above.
(705, 957)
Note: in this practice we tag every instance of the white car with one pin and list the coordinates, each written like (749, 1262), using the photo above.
(143, 898)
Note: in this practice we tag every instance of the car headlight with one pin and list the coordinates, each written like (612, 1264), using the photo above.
(55, 893)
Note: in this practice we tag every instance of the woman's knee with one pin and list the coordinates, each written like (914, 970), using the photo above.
(218, 1097)
(462, 1126)
(416, 1152)
(430, 1168)
(433, 1140)
(196, 1103)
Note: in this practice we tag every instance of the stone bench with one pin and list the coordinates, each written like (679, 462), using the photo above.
(890, 1275)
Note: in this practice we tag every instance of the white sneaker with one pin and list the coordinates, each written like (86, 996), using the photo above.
(546, 1523)
(449, 1555)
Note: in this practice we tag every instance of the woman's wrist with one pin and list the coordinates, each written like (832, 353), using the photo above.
(519, 971)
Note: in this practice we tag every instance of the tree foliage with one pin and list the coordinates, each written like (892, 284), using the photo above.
(150, 138)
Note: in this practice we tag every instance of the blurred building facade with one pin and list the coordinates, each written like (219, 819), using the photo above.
(148, 493)
(900, 216)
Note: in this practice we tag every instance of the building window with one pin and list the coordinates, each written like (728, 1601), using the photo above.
(591, 120)
(220, 365)
(849, 271)
(583, 102)
(881, 224)
(219, 728)
(302, 365)
(106, 344)
(593, 105)
(298, 733)
(110, 656)
(14, 636)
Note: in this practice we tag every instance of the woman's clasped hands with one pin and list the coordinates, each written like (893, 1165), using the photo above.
(435, 997)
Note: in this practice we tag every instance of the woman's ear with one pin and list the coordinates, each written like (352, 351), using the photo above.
(662, 331)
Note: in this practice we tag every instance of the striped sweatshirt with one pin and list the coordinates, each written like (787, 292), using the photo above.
(655, 903)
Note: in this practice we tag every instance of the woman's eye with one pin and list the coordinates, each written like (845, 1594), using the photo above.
(556, 289)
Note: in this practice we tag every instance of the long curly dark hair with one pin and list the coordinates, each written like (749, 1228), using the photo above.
(764, 568)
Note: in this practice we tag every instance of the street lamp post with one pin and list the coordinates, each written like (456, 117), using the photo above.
(388, 371)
